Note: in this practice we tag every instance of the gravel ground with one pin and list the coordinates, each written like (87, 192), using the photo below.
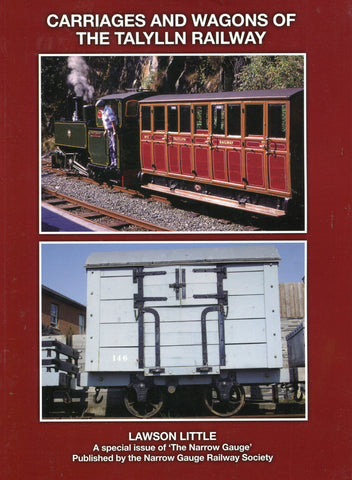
(151, 211)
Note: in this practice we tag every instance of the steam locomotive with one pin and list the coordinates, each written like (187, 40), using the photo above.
(243, 150)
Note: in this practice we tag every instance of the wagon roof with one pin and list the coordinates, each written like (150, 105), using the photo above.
(184, 256)
(284, 93)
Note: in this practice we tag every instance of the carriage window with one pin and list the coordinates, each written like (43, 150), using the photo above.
(201, 117)
(277, 120)
(172, 120)
(218, 115)
(146, 123)
(159, 118)
(185, 118)
(234, 120)
(132, 108)
(254, 120)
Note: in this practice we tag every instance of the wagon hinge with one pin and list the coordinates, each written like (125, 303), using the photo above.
(218, 269)
(139, 273)
(139, 300)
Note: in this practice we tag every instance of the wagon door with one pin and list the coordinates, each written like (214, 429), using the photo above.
(277, 146)
(181, 319)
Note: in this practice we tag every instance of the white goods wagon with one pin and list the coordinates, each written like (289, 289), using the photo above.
(202, 317)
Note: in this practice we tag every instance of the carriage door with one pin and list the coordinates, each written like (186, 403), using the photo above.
(202, 141)
(173, 139)
(181, 319)
(218, 143)
(179, 139)
(146, 137)
(277, 142)
(254, 145)
(159, 139)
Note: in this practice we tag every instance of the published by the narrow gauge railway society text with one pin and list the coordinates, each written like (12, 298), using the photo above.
(170, 447)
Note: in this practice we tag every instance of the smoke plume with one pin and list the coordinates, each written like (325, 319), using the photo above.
(78, 77)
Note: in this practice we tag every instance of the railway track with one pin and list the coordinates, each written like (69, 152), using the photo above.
(95, 215)
(131, 191)
(239, 220)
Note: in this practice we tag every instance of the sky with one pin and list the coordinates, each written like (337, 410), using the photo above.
(62, 264)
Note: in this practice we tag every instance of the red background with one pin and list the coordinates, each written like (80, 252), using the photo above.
(316, 449)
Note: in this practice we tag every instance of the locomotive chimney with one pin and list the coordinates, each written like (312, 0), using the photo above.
(78, 109)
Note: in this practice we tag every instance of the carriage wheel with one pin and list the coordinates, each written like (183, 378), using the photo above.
(146, 409)
(224, 408)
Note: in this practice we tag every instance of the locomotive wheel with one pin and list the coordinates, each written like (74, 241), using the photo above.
(146, 409)
(224, 408)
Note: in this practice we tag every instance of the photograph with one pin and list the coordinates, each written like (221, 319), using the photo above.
(172, 143)
(178, 330)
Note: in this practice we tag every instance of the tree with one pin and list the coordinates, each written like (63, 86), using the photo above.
(266, 72)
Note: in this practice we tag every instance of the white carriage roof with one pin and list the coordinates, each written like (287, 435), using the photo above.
(184, 256)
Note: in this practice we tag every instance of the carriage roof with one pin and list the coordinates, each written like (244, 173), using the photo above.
(277, 94)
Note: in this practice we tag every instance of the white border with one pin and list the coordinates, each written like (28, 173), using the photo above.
(196, 419)
(304, 55)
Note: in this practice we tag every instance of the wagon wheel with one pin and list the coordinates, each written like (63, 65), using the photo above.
(146, 409)
(224, 408)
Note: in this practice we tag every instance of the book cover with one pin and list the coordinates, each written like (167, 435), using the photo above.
(316, 446)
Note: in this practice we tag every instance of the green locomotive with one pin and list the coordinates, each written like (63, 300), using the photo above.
(82, 146)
